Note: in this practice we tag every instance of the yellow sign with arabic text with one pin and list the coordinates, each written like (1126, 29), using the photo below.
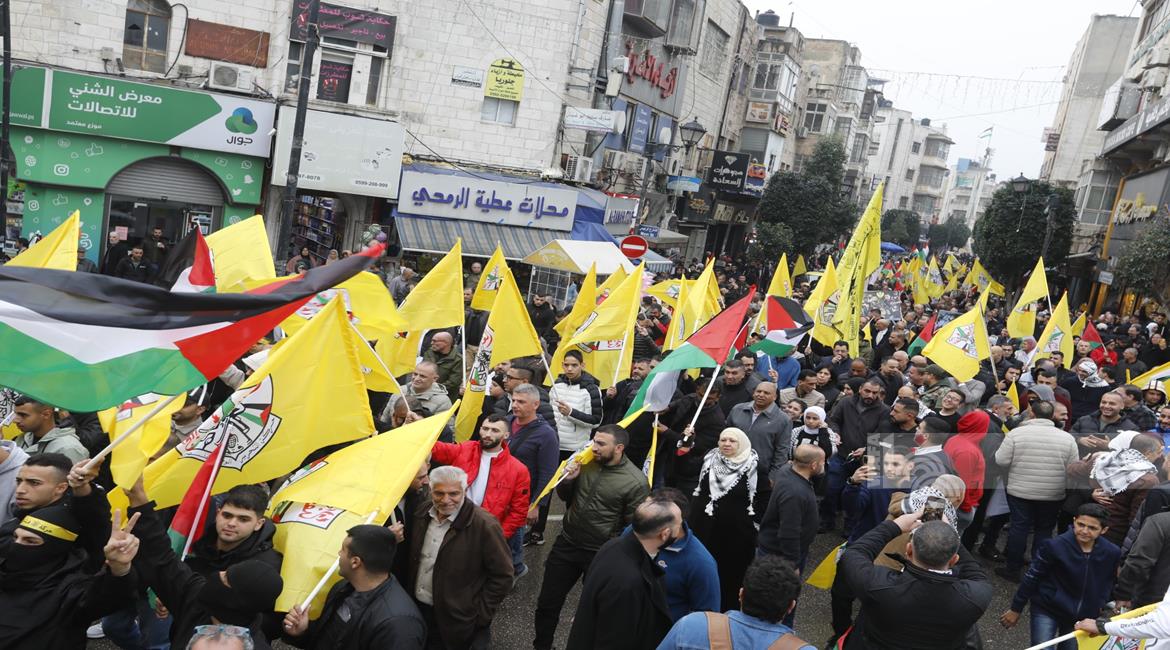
(505, 80)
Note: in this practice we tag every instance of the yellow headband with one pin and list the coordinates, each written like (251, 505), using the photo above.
(46, 528)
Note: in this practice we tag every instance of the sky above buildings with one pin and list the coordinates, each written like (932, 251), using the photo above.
(969, 65)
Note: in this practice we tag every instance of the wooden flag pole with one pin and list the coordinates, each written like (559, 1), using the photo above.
(329, 574)
(98, 457)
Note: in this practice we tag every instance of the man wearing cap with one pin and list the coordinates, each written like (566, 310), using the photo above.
(1085, 388)
(47, 595)
(936, 383)
(238, 595)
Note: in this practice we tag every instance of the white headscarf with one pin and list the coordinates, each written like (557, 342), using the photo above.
(724, 473)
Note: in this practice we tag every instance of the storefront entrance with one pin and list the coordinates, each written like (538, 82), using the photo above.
(168, 193)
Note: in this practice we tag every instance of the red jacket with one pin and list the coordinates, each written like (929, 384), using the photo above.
(967, 457)
(506, 497)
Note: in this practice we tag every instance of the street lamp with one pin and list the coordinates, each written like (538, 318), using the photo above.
(691, 133)
(1021, 183)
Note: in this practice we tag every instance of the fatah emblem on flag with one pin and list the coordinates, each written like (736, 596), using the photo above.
(963, 338)
(318, 302)
(1055, 340)
(248, 426)
(7, 405)
(479, 378)
(492, 281)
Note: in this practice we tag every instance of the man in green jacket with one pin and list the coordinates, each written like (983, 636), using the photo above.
(38, 422)
(601, 496)
(448, 361)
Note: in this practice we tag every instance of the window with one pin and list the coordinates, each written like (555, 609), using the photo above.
(1155, 13)
(909, 174)
(916, 147)
(682, 32)
(714, 52)
(500, 111)
(903, 202)
(144, 43)
(347, 72)
(937, 148)
(814, 117)
(931, 177)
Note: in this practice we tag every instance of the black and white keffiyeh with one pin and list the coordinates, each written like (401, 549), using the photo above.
(724, 473)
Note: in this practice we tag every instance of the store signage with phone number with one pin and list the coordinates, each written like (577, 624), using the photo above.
(116, 108)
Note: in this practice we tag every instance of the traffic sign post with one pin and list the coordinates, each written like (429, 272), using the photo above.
(634, 246)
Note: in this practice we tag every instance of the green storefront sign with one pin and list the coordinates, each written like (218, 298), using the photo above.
(117, 108)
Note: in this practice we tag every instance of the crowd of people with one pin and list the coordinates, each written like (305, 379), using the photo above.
(931, 484)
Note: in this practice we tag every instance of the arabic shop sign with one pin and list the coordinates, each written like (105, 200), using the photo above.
(498, 202)
(651, 68)
(654, 76)
(729, 171)
(115, 108)
(505, 80)
(1152, 116)
(344, 23)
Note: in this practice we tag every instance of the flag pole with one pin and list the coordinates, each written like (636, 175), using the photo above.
(621, 357)
(380, 362)
(199, 512)
(329, 573)
(98, 457)
(707, 393)
(1057, 640)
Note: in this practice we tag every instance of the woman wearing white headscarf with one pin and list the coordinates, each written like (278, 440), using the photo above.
(723, 514)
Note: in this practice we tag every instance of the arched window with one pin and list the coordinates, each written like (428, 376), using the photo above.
(144, 44)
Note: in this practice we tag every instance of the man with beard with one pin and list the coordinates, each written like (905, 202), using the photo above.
(736, 389)
(619, 397)
(601, 497)
(853, 419)
(47, 596)
(497, 482)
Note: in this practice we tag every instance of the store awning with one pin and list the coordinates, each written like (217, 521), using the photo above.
(479, 239)
(667, 237)
(656, 263)
(578, 256)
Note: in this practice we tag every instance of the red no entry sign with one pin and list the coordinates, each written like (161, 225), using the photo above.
(634, 246)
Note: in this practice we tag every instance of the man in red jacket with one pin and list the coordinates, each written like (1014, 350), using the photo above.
(967, 457)
(496, 481)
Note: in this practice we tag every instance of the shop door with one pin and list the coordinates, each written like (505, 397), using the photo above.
(169, 193)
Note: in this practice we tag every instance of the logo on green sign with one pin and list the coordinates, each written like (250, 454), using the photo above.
(241, 121)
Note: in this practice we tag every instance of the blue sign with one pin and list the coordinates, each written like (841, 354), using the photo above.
(640, 130)
(683, 183)
(649, 232)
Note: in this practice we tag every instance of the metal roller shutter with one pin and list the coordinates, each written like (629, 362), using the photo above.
(171, 179)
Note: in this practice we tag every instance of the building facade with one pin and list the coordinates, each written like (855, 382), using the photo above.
(968, 192)
(772, 107)
(910, 156)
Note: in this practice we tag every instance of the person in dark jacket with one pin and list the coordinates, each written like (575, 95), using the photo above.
(1145, 575)
(854, 419)
(134, 267)
(1093, 431)
(520, 371)
(116, 251)
(685, 449)
(929, 460)
(623, 600)
(1085, 388)
(790, 523)
(533, 442)
(241, 533)
(619, 396)
(931, 604)
(543, 315)
(47, 595)
(239, 595)
(460, 567)
(1070, 579)
(601, 497)
(736, 387)
(369, 610)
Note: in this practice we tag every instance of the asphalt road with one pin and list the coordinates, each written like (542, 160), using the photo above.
(512, 629)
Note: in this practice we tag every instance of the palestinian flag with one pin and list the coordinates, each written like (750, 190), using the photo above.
(923, 337)
(787, 325)
(87, 342)
(706, 348)
(1092, 336)
(190, 521)
(189, 267)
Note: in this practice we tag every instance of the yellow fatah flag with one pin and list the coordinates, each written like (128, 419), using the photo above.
(605, 288)
(434, 303)
(1014, 395)
(131, 456)
(934, 280)
(960, 346)
(952, 283)
(1161, 373)
(822, 305)
(308, 536)
(668, 291)
(862, 256)
(56, 250)
(308, 394)
(606, 336)
(822, 577)
(918, 289)
(374, 370)
(586, 301)
(242, 254)
(951, 266)
(1057, 335)
(693, 310)
(1078, 326)
(490, 278)
(1109, 642)
(1022, 320)
(367, 302)
(781, 284)
(984, 296)
(799, 268)
(507, 334)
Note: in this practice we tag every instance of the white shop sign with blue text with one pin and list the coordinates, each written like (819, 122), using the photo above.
(473, 199)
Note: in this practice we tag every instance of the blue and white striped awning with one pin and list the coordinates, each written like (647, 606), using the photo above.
(479, 239)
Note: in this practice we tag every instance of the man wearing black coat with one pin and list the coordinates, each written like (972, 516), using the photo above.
(623, 600)
(790, 523)
(369, 610)
(683, 469)
(931, 604)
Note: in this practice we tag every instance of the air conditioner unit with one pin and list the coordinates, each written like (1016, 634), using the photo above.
(801, 132)
(674, 167)
(1155, 78)
(578, 169)
(229, 77)
(614, 160)
(1159, 58)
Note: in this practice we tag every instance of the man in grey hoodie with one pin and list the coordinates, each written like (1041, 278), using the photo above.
(11, 460)
(38, 422)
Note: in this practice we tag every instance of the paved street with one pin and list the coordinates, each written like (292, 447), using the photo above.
(513, 627)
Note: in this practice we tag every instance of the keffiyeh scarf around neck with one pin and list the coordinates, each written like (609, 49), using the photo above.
(1093, 380)
(916, 501)
(723, 475)
(1116, 471)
